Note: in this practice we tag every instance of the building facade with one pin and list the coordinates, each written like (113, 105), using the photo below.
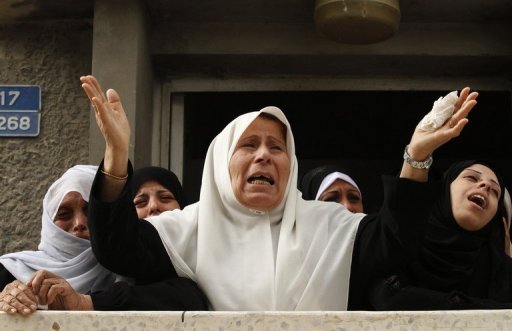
(183, 69)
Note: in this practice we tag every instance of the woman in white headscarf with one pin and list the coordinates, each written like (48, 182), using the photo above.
(64, 249)
(331, 183)
(251, 242)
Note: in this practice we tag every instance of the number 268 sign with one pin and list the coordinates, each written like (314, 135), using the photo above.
(20, 107)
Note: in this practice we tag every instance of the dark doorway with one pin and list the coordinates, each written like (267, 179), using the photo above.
(365, 132)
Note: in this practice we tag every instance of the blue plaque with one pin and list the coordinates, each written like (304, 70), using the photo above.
(20, 107)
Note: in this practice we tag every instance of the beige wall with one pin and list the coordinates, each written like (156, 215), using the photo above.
(52, 55)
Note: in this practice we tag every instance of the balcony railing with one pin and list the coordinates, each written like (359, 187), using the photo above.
(473, 320)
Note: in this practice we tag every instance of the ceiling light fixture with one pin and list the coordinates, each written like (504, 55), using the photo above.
(357, 21)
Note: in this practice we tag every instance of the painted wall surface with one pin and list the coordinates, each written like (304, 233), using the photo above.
(53, 55)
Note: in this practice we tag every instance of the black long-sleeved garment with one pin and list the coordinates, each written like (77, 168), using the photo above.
(382, 244)
(176, 293)
(451, 268)
(128, 246)
(173, 293)
(5, 277)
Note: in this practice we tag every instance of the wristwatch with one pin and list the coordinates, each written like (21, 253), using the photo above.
(417, 164)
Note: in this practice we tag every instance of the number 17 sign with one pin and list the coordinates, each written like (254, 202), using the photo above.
(20, 110)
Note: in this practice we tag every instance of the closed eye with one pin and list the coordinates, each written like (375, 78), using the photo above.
(330, 196)
(471, 178)
(140, 202)
(167, 198)
(63, 215)
(353, 198)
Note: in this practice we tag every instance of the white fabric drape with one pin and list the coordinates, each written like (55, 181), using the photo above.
(59, 251)
(229, 251)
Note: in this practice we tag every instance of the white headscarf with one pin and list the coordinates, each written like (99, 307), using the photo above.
(229, 250)
(331, 178)
(59, 251)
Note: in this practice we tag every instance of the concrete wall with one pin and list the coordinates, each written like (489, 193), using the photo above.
(53, 55)
(479, 320)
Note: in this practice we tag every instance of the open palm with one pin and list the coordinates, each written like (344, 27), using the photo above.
(110, 115)
(424, 143)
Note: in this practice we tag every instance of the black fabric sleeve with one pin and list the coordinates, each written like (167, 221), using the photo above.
(385, 241)
(171, 294)
(121, 242)
(5, 277)
(395, 293)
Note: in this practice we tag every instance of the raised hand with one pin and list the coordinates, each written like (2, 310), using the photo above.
(16, 297)
(423, 143)
(113, 123)
(57, 293)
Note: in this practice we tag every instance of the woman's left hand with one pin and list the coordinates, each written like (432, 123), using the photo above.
(424, 143)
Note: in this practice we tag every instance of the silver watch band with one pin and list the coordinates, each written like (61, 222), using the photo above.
(417, 164)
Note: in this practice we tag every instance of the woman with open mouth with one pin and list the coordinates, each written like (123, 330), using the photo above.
(462, 262)
(251, 242)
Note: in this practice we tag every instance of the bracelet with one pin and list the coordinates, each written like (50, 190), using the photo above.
(113, 176)
(417, 164)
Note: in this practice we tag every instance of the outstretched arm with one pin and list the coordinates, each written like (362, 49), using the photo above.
(114, 126)
(119, 240)
(386, 241)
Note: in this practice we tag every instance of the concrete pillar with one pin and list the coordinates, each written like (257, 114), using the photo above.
(121, 60)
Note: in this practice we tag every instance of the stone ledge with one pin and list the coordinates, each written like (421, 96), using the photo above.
(474, 320)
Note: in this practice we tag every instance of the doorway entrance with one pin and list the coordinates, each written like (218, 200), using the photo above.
(363, 131)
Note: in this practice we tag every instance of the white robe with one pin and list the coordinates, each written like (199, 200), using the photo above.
(296, 257)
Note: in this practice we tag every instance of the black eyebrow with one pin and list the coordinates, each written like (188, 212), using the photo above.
(478, 172)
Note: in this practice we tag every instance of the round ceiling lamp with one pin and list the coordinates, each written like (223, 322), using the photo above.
(357, 21)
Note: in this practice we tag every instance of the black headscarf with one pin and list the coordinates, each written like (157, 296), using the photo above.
(451, 257)
(164, 177)
(312, 180)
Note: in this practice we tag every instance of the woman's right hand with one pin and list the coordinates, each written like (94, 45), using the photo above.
(57, 293)
(17, 297)
(113, 123)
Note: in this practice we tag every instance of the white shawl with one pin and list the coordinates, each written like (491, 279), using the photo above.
(228, 249)
(59, 251)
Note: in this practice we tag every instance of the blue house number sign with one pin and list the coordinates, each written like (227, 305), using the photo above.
(20, 110)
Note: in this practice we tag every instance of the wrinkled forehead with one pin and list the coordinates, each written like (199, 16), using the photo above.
(242, 123)
(267, 121)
